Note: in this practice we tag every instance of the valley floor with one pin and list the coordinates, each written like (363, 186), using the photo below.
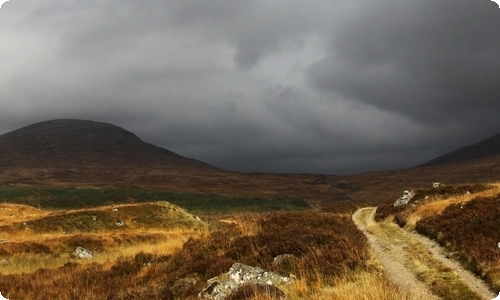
(418, 264)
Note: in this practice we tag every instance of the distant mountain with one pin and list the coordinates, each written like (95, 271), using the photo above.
(78, 143)
(483, 149)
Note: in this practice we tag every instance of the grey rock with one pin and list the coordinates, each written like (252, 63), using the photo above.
(239, 275)
(404, 199)
(436, 184)
(81, 252)
(120, 223)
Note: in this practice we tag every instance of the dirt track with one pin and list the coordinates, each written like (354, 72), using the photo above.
(412, 261)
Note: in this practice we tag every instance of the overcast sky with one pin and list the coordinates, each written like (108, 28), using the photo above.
(337, 87)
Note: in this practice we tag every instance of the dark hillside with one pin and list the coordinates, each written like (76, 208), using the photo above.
(78, 143)
(483, 149)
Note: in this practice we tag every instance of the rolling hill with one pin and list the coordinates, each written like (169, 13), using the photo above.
(77, 143)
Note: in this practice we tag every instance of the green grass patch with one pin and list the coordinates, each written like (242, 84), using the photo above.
(72, 197)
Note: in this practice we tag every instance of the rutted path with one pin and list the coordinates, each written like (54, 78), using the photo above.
(416, 263)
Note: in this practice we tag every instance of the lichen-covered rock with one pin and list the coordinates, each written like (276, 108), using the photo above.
(404, 199)
(81, 252)
(219, 288)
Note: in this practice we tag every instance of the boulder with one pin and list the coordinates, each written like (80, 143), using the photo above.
(81, 252)
(404, 199)
(436, 184)
(239, 276)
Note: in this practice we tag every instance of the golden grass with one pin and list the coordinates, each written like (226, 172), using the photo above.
(10, 213)
(363, 285)
(170, 241)
(424, 266)
(248, 223)
(29, 251)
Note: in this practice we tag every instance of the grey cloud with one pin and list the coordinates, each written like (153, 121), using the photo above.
(285, 86)
(426, 60)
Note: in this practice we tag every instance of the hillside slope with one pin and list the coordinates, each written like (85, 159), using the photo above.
(486, 148)
(75, 143)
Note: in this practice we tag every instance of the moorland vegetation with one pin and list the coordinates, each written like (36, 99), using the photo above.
(462, 218)
(162, 243)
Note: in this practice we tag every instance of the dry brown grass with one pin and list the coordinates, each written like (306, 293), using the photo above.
(10, 213)
(25, 249)
(111, 247)
(464, 222)
(436, 205)
(363, 286)
(248, 223)
(471, 229)
(325, 246)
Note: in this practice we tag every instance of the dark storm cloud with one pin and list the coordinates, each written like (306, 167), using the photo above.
(291, 86)
(428, 60)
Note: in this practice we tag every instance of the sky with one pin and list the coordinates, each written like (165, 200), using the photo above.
(333, 87)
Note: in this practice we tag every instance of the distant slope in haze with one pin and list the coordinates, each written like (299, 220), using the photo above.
(78, 143)
(483, 149)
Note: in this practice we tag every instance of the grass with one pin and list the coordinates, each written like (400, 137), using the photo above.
(72, 197)
(476, 241)
(427, 198)
(425, 267)
(46, 240)
(160, 244)
(363, 285)
(325, 247)
(464, 219)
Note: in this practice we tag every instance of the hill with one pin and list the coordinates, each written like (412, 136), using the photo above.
(76, 143)
(91, 154)
(486, 148)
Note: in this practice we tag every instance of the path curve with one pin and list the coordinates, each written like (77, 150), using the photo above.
(392, 250)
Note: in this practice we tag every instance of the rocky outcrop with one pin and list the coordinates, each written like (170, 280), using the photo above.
(404, 199)
(241, 277)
